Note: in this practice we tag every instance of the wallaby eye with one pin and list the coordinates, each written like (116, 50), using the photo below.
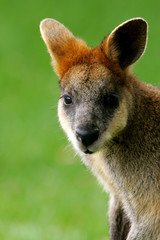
(112, 100)
(67, 100)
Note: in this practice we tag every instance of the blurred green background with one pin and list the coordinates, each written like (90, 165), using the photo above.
(45, 192)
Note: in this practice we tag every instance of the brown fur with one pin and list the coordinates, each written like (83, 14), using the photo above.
(84, 55)
(104, 93)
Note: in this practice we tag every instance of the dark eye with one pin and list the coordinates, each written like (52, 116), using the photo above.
(67, 100)
(112, 100)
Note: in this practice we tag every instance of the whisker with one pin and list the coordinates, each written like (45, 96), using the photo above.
(53, 107)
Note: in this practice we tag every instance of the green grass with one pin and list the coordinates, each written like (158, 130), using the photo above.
(45, 192)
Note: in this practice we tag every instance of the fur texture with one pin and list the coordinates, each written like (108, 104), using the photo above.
(112, 119)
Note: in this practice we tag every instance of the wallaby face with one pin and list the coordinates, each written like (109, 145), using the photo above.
(92, 109)
(112, 119)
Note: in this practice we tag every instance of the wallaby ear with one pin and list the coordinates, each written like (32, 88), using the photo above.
(61, 44)
(127, 42)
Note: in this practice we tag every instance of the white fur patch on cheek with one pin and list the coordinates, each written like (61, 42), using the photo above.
(119, 120)
(66, 126)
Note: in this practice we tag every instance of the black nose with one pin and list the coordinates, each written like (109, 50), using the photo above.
(87, 135)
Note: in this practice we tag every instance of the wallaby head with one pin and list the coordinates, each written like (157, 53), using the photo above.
(96, 92)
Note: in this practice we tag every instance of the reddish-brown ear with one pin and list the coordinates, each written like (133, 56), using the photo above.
(127, 42)
(62, 45)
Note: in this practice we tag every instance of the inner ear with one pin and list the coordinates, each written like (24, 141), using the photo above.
(127, 42)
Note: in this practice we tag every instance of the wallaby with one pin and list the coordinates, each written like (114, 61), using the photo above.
(113, 121)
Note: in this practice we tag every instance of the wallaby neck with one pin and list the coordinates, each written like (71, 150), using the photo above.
(143, 122)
